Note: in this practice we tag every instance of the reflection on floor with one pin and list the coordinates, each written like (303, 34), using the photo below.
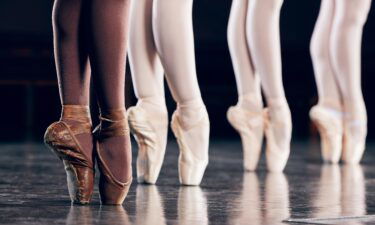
(33, 191)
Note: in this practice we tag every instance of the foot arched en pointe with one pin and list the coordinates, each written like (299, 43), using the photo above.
(250, 126)
(150, 130)
(191, 127)
(61, 138)
(278, 131)
(114, 158)
(329, 123)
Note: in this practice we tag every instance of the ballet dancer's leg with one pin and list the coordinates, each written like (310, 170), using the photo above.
(72, 64)
(70, 138)
(108, 22)
(247, 116)
(350, 17)
(264, 41)
(148, 120)
(327, 114)
(173, 30)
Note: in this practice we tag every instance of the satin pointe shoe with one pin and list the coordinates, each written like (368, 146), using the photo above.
(151, 136)
(278, 132)
(250, 126)
(354, 142)
(329, 123)
(112, 191)
(192, 162)
(60, 137)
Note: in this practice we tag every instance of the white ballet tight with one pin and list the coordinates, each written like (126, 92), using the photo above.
(162, 37)
(336, 54)
(254, 42)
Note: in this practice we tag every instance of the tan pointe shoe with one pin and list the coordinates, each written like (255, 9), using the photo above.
(60, 137)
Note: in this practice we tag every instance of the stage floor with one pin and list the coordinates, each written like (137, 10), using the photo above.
(33, 191)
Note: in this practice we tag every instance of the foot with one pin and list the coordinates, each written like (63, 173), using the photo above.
(150, 129)
(190, 125)
(70, 139)
(278, 130)
(354, 144)
(113, 152)
(330, 126)
(250, 126)
(355, 131)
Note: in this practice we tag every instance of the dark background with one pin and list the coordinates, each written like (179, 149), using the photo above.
(29, 96)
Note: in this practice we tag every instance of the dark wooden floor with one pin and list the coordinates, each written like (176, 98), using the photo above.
(33, 191)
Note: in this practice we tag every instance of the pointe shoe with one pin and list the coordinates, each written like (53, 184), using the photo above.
(60, 137)
(151, 136)
(330, 129)
(277, 124)
(250, 126)
(112, 191)
(354, 142)
(192, 163)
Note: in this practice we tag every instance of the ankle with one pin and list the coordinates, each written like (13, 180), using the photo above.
(154, 106)
(113, 114)
(191, 112)
(75, 114)
(355, 110)
(250, 102)
(331, 104)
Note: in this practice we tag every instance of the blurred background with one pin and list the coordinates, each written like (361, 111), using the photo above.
(29, 95)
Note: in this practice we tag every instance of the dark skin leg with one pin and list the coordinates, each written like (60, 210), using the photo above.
(102, 27)
(72, 62)
(108, 22)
